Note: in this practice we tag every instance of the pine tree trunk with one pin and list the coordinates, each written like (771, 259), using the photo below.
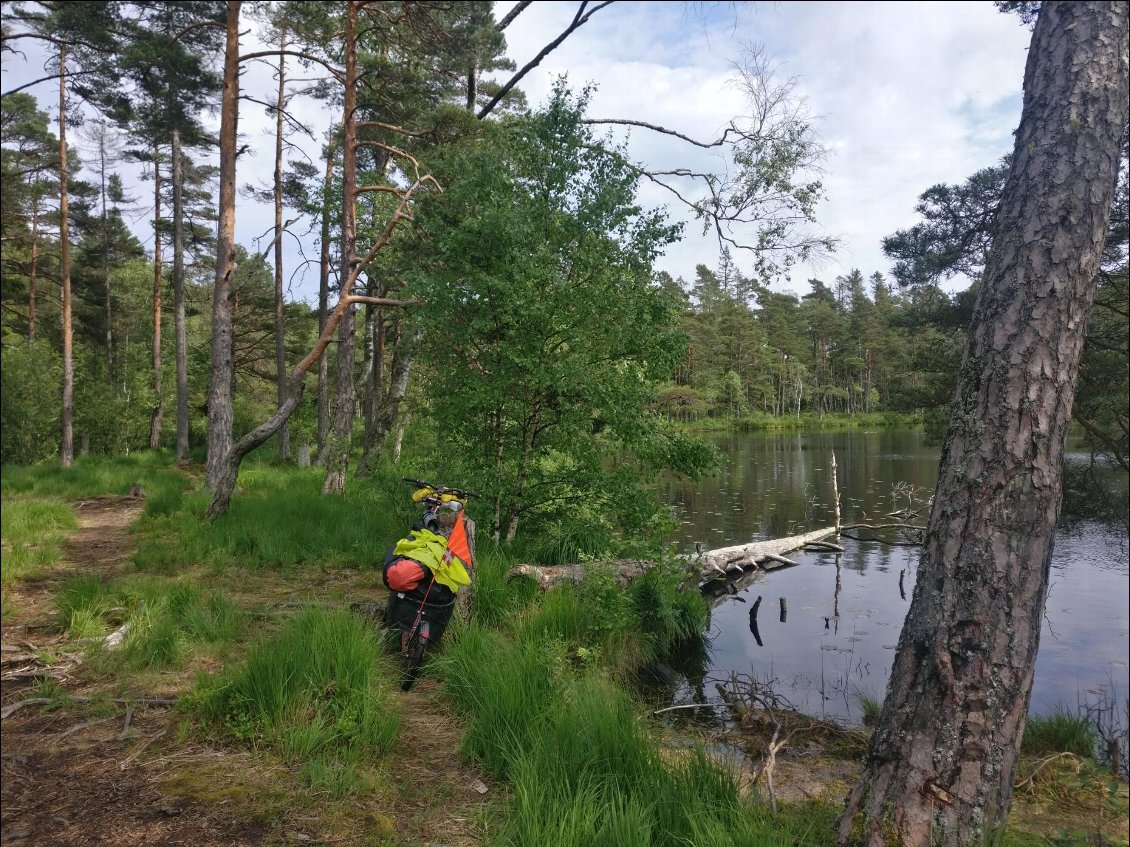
(220, 382)
(338, 449)
(158, 415)
(942, 762)
(323, 308)
(33, 275)
(386, 415)
(280, 326)
(106, 265)
(180, 328)
(67, 451)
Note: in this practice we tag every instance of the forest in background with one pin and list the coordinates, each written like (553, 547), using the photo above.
(511, 330)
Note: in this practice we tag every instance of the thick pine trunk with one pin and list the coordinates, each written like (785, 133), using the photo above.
(179, 318)
(942, 761)
(67, 451)
(220, 382)
(280, 325)
(158, 414)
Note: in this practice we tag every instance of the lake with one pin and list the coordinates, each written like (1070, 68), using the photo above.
(834, 641)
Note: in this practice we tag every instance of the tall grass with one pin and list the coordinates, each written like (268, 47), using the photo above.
(33, 534)
(1060, 732)
(316, 693)
(91, 476)
(279, 520)
(583, 768)
(166, 619)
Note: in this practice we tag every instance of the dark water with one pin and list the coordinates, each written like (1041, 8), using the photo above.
(844, 611)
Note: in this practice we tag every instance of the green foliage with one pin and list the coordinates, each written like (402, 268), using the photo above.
(536, 259)
(33, 535)
(29, 416)
(317, 692)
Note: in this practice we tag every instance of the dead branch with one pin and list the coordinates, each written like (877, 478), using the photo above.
(579, 20)
(125, 763)
(512, 14)
(12, 708)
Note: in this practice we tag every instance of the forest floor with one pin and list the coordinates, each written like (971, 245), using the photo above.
(110, 768)
(94, 758)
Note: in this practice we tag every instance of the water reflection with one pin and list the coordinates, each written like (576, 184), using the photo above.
(825, 631)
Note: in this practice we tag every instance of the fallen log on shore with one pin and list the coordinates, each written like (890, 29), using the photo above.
(713, 564)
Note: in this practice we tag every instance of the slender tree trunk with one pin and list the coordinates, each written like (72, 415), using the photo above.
(220, 383)
(67, 452)
(337, 454)
(323, 307)
(106, 263)
(942, 762)
(179, 319)
(33, 275)
(398, 436)
(158, 399)
(386, 414)
(280, 326)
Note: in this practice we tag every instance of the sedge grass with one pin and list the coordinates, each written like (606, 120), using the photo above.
(280, 520)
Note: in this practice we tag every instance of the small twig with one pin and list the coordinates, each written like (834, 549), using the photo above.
(1043, 763)
(126, 723)
(688, 706)
(82, 726)
(125, 763)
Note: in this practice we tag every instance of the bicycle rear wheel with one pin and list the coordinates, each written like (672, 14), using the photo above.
(413, 648)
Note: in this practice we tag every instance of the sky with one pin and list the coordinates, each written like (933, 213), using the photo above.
(902, 95)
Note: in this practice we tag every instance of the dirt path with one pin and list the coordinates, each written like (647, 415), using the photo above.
(116, 772)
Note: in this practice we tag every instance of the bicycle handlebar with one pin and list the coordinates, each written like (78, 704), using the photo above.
(440, 489)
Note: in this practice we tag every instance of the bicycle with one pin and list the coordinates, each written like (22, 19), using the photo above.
(429, 619)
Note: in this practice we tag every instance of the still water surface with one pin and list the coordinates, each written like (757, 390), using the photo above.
(844, 611)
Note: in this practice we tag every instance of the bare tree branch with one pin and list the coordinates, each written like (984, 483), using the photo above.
(579, 20)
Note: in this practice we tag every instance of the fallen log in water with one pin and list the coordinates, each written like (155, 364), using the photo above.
(766, 554)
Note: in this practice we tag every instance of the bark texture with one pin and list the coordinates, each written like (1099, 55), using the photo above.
(179, 316)
(280, 324)
(941, 764)
(337, 450)
(158, 414)
(67, 450)
(220, 381)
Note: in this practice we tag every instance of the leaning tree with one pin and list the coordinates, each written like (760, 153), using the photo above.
(942, 761)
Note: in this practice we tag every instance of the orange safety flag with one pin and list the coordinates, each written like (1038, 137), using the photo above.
(457, 544)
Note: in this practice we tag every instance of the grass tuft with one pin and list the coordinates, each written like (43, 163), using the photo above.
(314, 692)
(1059, 732)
